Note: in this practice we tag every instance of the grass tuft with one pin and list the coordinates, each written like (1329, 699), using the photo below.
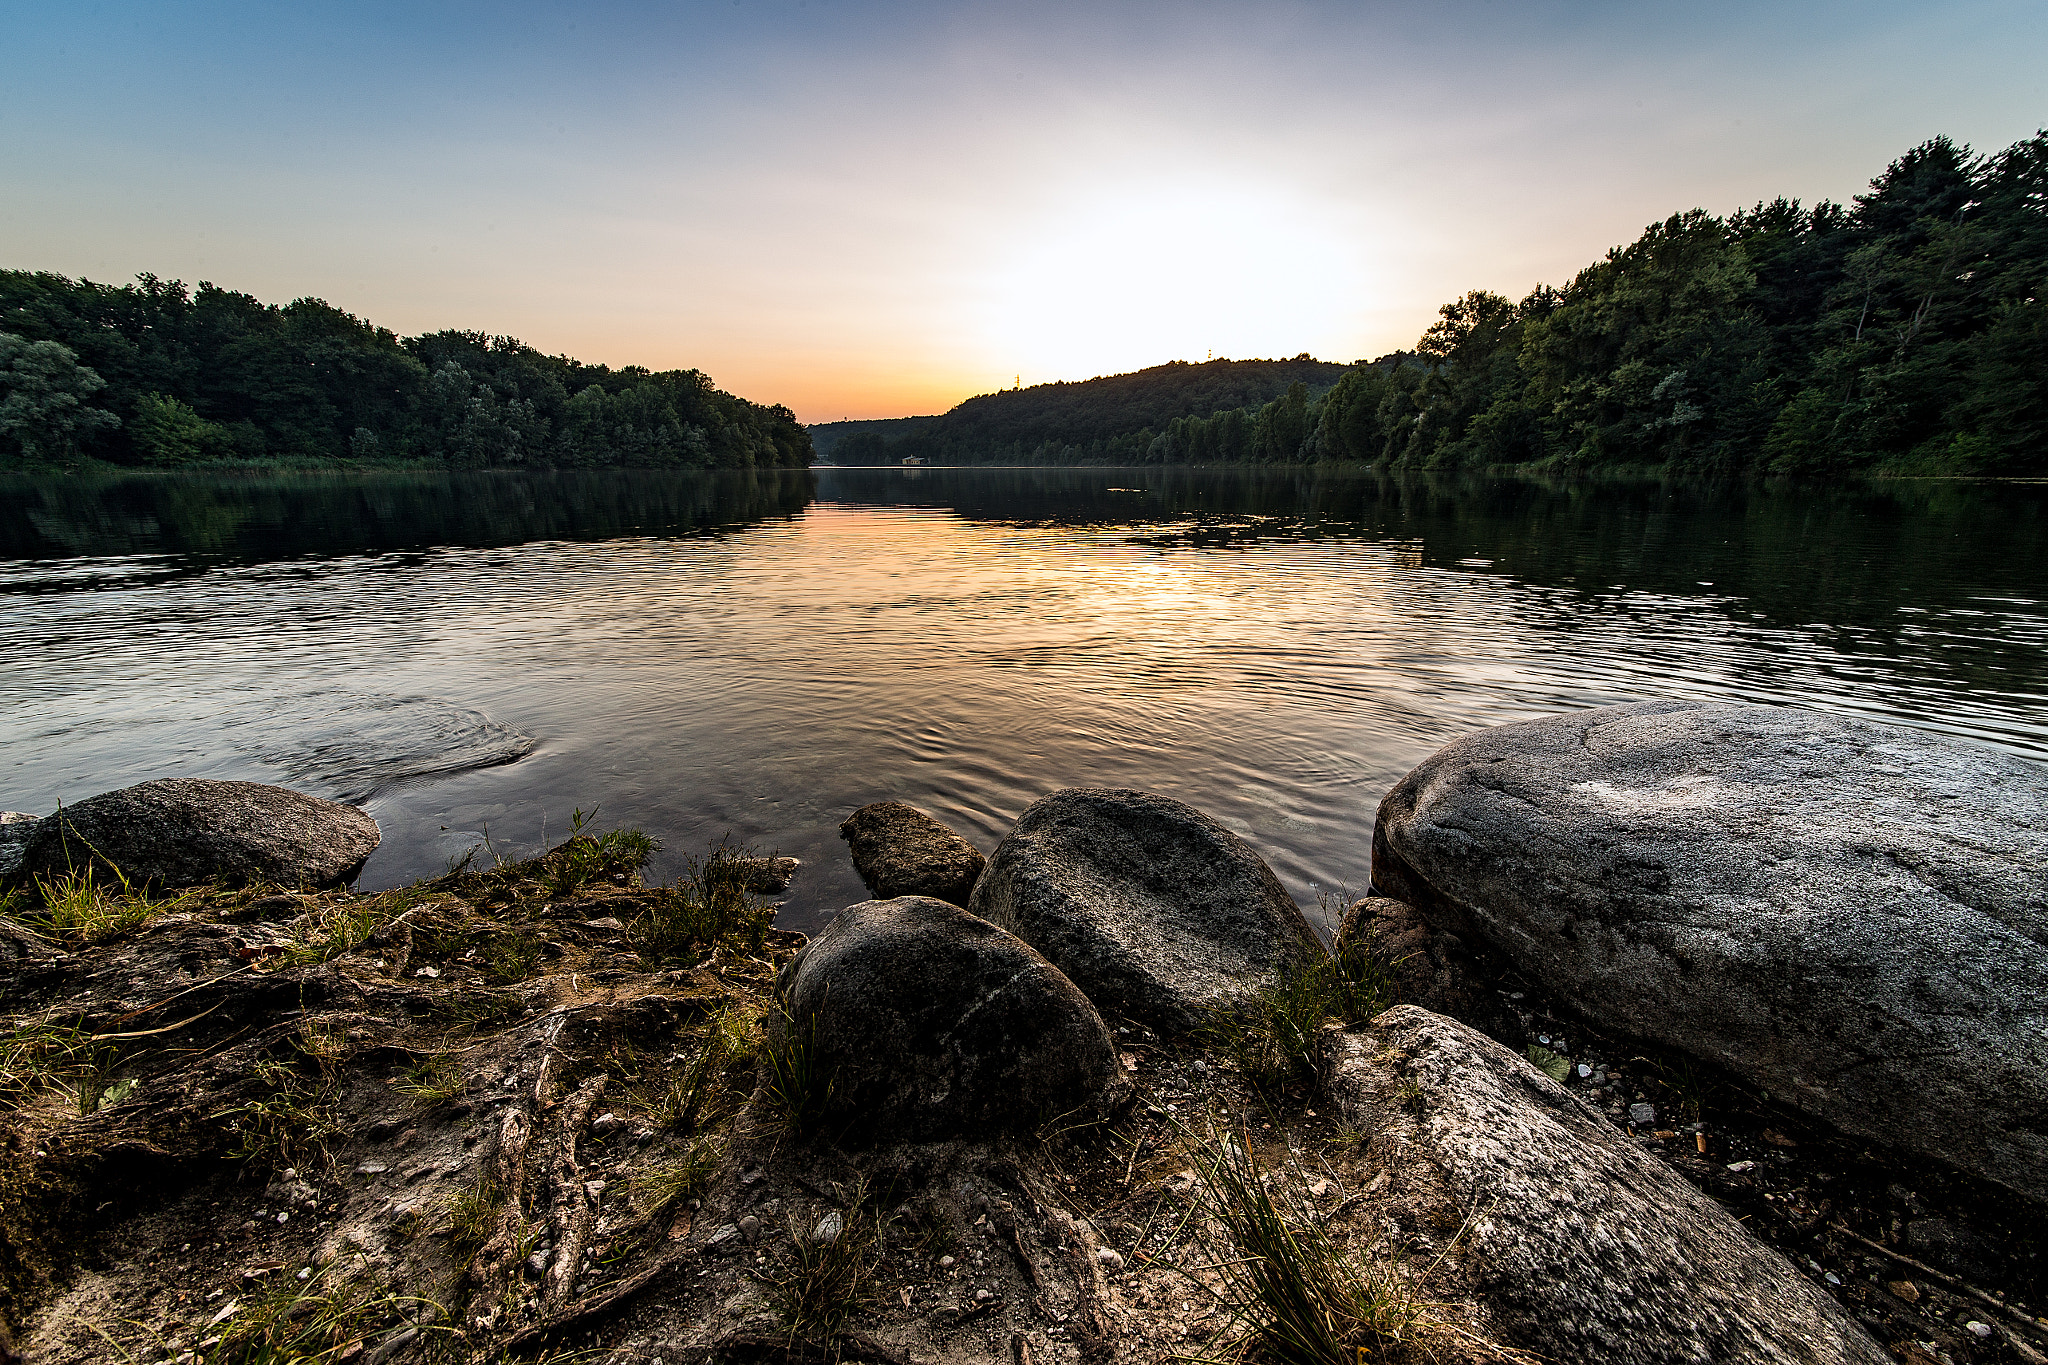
(289, 1124)
(1297, 1297)
(822, 1282)
(798, 1081)
(81, 907)
(434, 1079)
(1272, 1040)
(704, 1091)
(664, 1184)
(314, 1324)
(708, 906)
(473, 1216)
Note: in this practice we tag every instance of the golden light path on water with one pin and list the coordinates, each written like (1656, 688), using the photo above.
(763, 681)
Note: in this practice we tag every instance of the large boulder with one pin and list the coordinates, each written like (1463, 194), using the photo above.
(900, 851)
(1577, 1245)
(1156, 911)
(1853, 916)
(181, 831)
(931, 1023)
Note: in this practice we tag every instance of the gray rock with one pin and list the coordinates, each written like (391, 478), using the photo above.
(1579, 1246)
(900, 851)
(1155, 910)
(1423, 966)
(15, 829)
(766, 876)
(1642, 1115)
(932, 1023)
(1851, 915)
(182, 831)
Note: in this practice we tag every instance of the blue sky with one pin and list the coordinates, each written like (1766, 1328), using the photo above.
(873, 209)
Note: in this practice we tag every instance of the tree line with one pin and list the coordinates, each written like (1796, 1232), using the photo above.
(158, 374)
(1905, 332)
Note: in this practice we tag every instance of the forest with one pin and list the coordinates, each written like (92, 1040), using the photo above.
(1107, 420)
(158, 374)
(1905, 332)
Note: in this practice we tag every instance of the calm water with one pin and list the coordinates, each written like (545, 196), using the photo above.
(757, 654)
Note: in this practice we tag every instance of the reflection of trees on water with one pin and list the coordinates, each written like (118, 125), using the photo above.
(1847, 553)
(254, 517)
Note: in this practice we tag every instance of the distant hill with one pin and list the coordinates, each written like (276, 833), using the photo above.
(827, 436)
(1112, 417)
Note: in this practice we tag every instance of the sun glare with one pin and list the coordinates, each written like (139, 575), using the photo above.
(1181, 273)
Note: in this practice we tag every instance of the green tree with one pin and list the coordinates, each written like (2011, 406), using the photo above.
(168, 432)
(43, 398)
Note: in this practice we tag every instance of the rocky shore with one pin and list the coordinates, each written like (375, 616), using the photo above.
(1669, 1033)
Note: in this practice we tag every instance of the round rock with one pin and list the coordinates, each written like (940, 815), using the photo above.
(1851, 915)
(933, 1023)
(182, 831)
(900, 851)
(1155, 910)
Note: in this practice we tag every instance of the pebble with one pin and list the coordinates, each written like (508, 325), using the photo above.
(1977, 1329)
(1642, 1115)
(982, 1296)
(608, 922)
(828, 1229)
(1740, 1166)
(1906, 1290)
(372, 1168)
(947, 1262)
(428, 972)
(537, 1264)
(750, 1228)
(605, 1123)
(1111, 1258)
(1584, 1071)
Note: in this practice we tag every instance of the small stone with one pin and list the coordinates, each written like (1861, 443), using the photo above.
(372, 1168)
(429, 972)
(1905, 1289)
(947, 1262)
(750, 1228)
(720, 1235)
(1740, 1166)
(982, 1296)
(606, 923)
(1111, 1258)
(604, 1123)
(828, 1230)
(1585, 1071)
(1642, 1115)
(537, 1264)
(1977, 1329)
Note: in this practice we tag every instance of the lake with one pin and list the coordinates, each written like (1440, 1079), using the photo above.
(753, 654)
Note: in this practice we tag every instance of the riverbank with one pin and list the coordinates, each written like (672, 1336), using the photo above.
(544, 1106)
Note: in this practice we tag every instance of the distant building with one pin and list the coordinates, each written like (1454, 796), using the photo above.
(913, 459)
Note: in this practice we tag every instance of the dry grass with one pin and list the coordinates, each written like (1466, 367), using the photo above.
(822, 1282)
(1295, 1295)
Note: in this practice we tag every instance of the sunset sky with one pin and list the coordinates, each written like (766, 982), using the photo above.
(873, 209)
